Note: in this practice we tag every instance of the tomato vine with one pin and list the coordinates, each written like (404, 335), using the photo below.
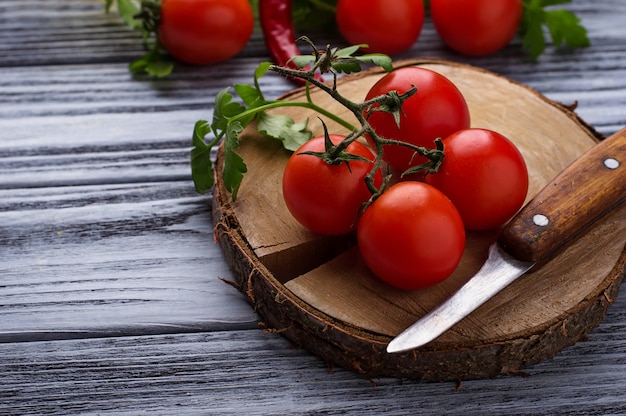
(230, 117)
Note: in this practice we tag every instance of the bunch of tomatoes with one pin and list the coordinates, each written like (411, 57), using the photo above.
(411, 229)
(412, 234)
(211, 31)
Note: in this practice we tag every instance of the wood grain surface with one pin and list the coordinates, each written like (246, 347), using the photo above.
(111, 298)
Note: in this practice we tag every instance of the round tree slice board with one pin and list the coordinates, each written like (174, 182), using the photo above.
(317, 292)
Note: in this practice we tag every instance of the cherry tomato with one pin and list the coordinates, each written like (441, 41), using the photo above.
(476, 27)
(327, 198)
(436, 110)
(484, 175)
(205, 31)
(411, 236)
(388, 27)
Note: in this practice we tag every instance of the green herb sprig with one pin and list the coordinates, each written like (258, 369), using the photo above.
(230, 117)
(564, 27)
(145, 15)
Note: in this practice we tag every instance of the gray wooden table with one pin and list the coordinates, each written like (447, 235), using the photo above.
(111, 300)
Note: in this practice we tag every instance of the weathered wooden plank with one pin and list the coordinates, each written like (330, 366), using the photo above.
(109, 259)
(79, 89)
(256, 373)
(101, 234)
(96, 149)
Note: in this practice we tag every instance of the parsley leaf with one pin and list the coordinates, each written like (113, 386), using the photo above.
(563, 26)
(127, 9)
(224, 123)
(145, 16)
(283, 128)
(225, 109)
(201, 163)
(249, 94)
(202, 170)
(234, 166)
(152, 63)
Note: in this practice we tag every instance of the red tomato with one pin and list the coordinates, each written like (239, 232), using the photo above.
(484, 175)
(412, 236)
(388, 27)
(436, 110)
(326, 198)
(476, 27)
(205, 31)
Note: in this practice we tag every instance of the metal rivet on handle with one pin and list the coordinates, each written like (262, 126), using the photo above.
(611, 163)
(540, 220)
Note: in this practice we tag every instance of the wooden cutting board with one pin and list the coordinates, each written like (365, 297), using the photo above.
(317, 292)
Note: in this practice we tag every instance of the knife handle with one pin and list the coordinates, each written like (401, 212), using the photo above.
(586, 190)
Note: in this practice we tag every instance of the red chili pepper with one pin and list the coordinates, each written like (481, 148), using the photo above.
(279, 32)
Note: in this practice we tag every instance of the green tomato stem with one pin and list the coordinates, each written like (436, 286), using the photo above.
(281, 103)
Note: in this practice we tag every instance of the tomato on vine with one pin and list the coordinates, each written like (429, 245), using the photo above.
(388, 27)
(476, 27)
(327, 197)
(411, 236)
(436, 110)
(484, 175)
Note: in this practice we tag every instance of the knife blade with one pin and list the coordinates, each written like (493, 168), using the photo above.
(585, 191)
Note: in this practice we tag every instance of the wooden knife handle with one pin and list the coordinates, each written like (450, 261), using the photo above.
(586, 190)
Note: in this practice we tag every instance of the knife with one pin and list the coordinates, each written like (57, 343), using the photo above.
(584, 192)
